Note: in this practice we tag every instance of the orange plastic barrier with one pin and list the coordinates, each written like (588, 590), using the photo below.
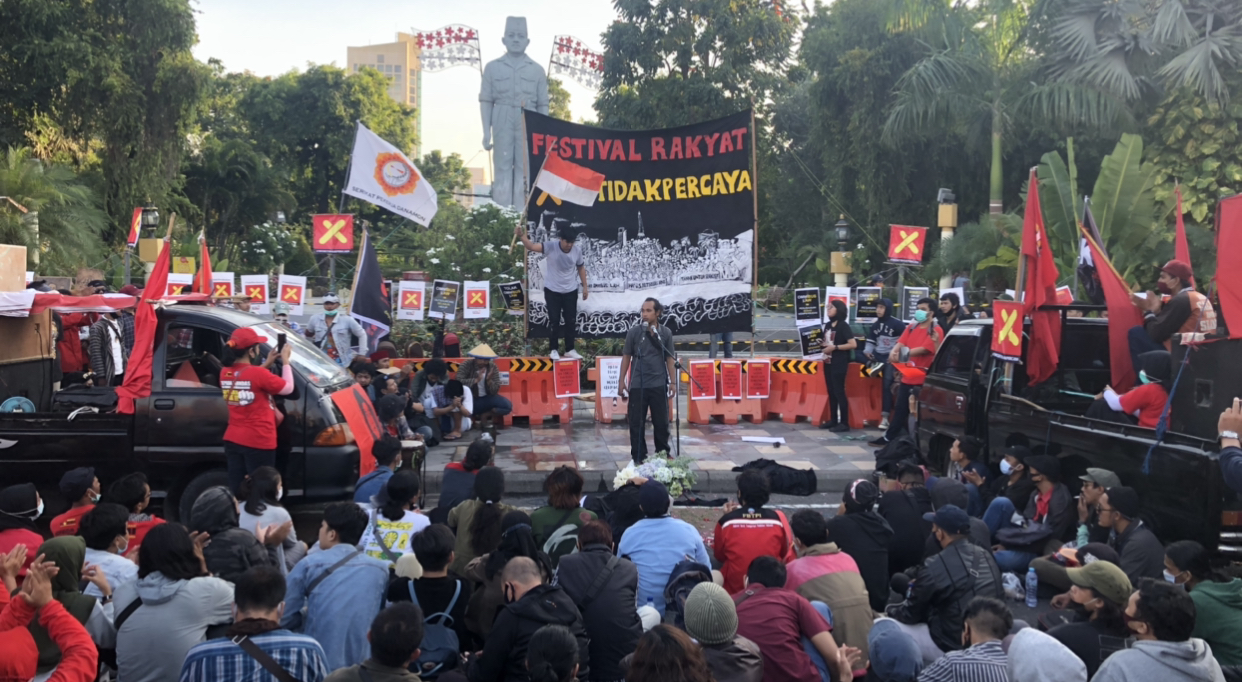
(531, 391)
(866, 396)
(798, 391)
(726, 410)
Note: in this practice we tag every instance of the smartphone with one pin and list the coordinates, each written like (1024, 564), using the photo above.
(280, 342)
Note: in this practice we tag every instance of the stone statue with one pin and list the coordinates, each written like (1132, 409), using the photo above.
(510, 84)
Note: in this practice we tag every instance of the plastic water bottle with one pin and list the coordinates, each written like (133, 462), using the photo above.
(1032, 588)
(651, 602)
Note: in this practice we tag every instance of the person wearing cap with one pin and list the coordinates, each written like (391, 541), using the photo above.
(1187, 312)
(280, 313)
(1051, 569)
(242, 303)
(952, 491)
(1049, 507)
(82, 489)
(1161, 618)
(248, 387)
(935, 605)
(982, 658)
(1012, 485)
(657, 542)
(1142, 555)
(564, 268)
(1100, 591)
(1143, 404)
(334, 332)
(864, 535)
(905, 510)
(481, 375)
(711, 619)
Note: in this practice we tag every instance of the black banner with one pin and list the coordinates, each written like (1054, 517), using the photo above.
(515, 297)
(868, 299)
(807, 307)
(674, 221)
(910, 301)
(812, 341)
(444, 299)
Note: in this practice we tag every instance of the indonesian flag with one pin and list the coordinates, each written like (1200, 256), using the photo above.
(568, 181)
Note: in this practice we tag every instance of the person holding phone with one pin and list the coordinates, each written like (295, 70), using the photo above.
(248, 387)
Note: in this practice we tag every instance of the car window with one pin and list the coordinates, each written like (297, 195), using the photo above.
(309, 361)
(192, 357)
(957, 355)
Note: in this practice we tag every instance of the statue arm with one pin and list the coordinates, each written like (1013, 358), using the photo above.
(486, 100)
(541, 98)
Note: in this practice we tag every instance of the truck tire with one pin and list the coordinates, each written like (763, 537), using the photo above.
(197, 486)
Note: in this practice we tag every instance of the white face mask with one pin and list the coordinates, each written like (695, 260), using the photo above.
(1005, 468)
(38, 510)
(1172, 579)
(280, 492)
(122, 549)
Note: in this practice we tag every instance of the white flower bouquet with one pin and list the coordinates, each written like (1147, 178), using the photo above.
(674, 472)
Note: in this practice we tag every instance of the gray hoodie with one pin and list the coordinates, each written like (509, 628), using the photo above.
(1147, 661)
(1034, 656)
(153, 642)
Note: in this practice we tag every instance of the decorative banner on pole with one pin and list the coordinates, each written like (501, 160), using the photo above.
(868, 300)
(444, 48)
(609, 377)
(478, 300)
(292, 291)
(808, 310)
(381, 174)
(910, 301)
(179, 283)
(333, 233)
(515, 297)
(1007, 330)
(905, 244)
(134, 223)
(255, 287)
(731, 379)
(758, 378)
(222, 284)
(702, 380)
(812, 342)
(572, 59)
(565, 377)
(444, 300)
(410, 300)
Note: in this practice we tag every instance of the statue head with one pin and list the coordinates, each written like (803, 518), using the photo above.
(515, 35)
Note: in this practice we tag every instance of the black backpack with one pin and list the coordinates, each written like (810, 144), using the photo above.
(899, 450)
(440, 645)
(782, 479)
(686, 574)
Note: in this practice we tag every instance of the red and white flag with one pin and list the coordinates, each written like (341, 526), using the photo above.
(568, 181)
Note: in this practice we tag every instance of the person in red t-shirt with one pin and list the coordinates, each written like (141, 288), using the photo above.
(81, 488)
(749, 530)
(1146, 401)
(250, 439)
(919, 341)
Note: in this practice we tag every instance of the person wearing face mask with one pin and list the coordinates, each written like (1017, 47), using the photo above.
(1217, 598)
(250, 439)
(1013, 484)
(261, 492)
(1144, 403)
(103, 529)
(919, 341)
(839, 346)
(82, 489)
(1142, 555)
(20, 507)
(1046, 517)
(255, 641)
(1099, 591)
(335, 332)
(1162, 619)
(1187, 312)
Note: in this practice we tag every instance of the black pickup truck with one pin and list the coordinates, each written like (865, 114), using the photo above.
(1179, 481)
(175, 435)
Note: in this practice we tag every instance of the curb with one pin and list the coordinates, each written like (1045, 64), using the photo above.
(714, 482)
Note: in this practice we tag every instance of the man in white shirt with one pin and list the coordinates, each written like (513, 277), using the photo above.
(104, 530)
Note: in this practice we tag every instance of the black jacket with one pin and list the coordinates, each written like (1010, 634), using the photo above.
(1142, 555)
(232, 550)
(1062, 513)
(865, 537)
(944, 587)
(610, 618)
(504, 655)
(998, 486)
(904, 510)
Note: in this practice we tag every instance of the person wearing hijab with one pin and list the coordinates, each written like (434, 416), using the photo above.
(1144, 402)
(20, 506)
(68, 553)
(881, 338)
(487, 598)
(863, 534)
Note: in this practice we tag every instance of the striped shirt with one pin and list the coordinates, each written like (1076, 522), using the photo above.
(980, 663)
(220, 660)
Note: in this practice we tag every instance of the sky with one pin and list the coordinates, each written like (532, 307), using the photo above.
(272, 37)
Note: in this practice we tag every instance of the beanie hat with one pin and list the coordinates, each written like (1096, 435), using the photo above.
(1124, 500)
(710, 615)
(1046, 465)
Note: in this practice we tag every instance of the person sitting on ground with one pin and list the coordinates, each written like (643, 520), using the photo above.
(1188, 311)
(657, 542)
(1144, 403)
(1051, 569)
(232, 551)
(894, 655)
(711, 619)
(481, 375)
(605, 589)
(394, 636)
(1013, 482)
(20, 507)
(391, 412)
(905, 509)
(81, 488)
(794, 636)
(169, 609)
(103, 531)
(986, 622)
(552, 655)
(364, 373)
(387, 454)
(1162, 618)
(134, 493)
(423, 404)
(531, 604)
(68, 553)
(258, 602)
(435, 591)
(457, 482)
(1101, 590)
(484, 572)
(864, 535)
(395, 518)
(339, 587)
(951, 491)
(18, 653)
(460, 406)
(825, 574)
(262, 491)
(1141, 554)
(1217, 598)
(556, 524)
(1073, 557)
(1036, 657)
(748, 530)
(477, 521)
(1050, 506)
(666, 654)
(936, 603)
(964, 465)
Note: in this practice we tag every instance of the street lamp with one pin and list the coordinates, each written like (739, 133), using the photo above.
(150, 217)
(149, 220)
(840, 263)
(844, 233)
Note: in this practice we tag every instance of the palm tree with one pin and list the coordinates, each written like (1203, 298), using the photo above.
(62, 230)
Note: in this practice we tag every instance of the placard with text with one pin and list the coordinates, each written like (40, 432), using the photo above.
(731, 379)
(566, 377)
(410, 299)
(758, 378)
(702, 380)
(254, 287)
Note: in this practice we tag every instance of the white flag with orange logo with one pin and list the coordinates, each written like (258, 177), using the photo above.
(381, 174)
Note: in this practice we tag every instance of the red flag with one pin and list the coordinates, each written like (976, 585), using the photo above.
(202, 281)
(134, 223)
(1180, 245)
(1044, 351)
(1122, 313)
(138, 370)
(1228, 275)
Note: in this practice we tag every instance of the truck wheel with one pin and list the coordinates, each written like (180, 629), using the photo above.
(197, 486)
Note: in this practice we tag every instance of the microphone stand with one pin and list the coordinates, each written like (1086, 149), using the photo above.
(677, 366)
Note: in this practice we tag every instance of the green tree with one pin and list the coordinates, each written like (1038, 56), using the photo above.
(558, 100)
(448, 174)
(65, 211)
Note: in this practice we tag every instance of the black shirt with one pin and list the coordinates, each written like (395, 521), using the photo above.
(904, 510)
(838, 333)
(1091, 641)
(434, 595)
(648, 368)
(865, 536)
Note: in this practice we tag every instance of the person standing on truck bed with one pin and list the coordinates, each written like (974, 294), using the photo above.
(1188, 311)
(334, 333)
(250, 439)
(921, 339)
(107, 350)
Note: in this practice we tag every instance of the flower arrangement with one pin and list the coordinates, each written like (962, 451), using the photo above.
(674, 472)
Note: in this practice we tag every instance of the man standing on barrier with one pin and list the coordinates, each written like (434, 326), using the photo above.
(649, 350)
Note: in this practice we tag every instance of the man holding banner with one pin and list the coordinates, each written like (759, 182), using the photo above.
(648, 349)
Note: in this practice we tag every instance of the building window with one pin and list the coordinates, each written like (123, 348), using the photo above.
(396, 68)
(379, 59)
(355, 67)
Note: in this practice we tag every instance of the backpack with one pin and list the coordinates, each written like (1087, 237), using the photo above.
(889, 457)
(440, 645)
(784, 480)
(686, 574)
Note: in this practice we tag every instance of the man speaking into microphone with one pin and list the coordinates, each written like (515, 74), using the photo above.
(649, 347)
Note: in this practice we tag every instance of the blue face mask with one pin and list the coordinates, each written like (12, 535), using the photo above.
(1143, 377)
(920, 315)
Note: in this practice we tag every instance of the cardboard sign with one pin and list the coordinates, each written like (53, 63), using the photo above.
(292, 291)
(255, 287)
(565, 378)
(515, 297)
(478, 300)
(222, 284)
(758, 378)
(1065, 296)
(812, 341)
(609, 377)
(905, 244)
(183, 265)
(1007, 330)
(359, 413)
(333, 233)
(731, 379)
(807, 307)
(179, 283)
(702, 380)
(868, 300)
(410, 297)
(444, 300)
(910, 301)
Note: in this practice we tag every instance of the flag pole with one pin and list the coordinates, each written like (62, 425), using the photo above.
(754, 242)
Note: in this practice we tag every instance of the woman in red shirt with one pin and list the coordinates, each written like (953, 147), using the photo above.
(250, 440)
(1145, 401)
